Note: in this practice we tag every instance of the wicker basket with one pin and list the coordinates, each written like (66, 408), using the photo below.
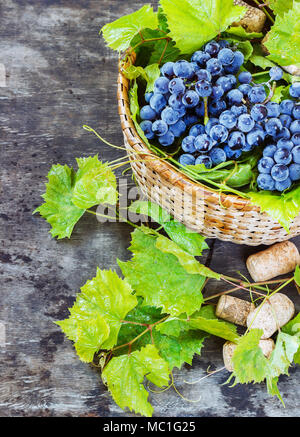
(226, 217)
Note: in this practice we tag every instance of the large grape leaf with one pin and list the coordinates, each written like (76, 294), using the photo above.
(124, 376)
(160, 279)
(194, 22)
(280, 6)
(100, 308)
(119, 34)
(175, 349)
(69, 194)
(284, 37)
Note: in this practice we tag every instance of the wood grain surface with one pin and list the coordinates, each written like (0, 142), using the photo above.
(56, 75)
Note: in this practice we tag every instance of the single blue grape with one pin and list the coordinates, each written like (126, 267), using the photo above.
(270, 150)
(283, 155)
(204, 159)
(146, 127)
(187, 159)
(295, 90)
(294, 170)
(245, 88)
(214, 67)
(232, 154)
(273, 126)
(295, 127)
(280, 172)
(183, 69)
(273, 109)
(259, 112)
(190, 99)
(228, 119)
(236, 140)
(158, 102)
(226, 56)
(175, 102)
(203, 88)
(148, 97)
(265, 182)
(245, 77)
(284, 185)
(239, 109)
(237, 63)
(285, 143)
(212, 48)
(225, 82)
(234, 97)
(160, 127)
(265, 164)
(176, 86)
(219, 133)
(257, 94)
(287, 106)
(187, 144)
(296, 139)
(203, 143)
(169, 116)
(296, 154)
(296, 111)
(217, 92)
(147, 113)
(276, 73)
(161, 85)
(197, 129)
(216, 107)
(245, 123)
(286, 120)
(217, 155)
(178, 128)
(256, 137)
(203, 75)
(200, 58)
(167, 70)
(167, 139)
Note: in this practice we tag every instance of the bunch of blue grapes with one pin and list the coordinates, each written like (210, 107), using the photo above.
(216, 114)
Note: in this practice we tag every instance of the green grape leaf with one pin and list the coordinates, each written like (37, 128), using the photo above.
(188, 262)
(58, 209)
(104, 300)
(283, 354)
(124, 376)
(195, 22)
(187, 239)
(284, 37)
(282, 208)
(203, 320)
(176, 351)
(95, 183)
(293, 328)
(69, 194)
(160, 279)
(249, 362)
(280, 6)
(153, 73)
(240, 32)
(119, 34)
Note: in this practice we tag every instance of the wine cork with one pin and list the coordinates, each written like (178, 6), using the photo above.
(234, 310)
(267, 346)
(253, 20)
(273, 314)
(279, 259)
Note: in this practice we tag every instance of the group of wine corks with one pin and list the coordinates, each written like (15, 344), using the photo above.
(275, 312)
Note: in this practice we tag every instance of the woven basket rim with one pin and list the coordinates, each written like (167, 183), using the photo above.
(163, 167)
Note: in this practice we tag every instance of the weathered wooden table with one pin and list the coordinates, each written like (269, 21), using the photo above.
(57, 76)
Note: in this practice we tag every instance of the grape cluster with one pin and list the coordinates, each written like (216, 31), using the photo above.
(236, 113)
